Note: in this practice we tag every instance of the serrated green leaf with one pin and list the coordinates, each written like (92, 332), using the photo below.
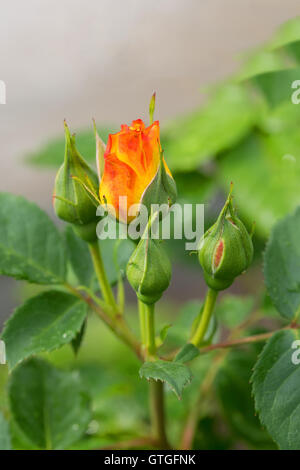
(43, 323)
(187, 353)
(276, 389)
(30, 245)
(5, 441)
(52, 154)
(193, 140)
(282, 266)
(48, 404)
(175, 374)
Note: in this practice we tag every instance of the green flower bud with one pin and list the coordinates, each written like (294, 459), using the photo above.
(162, 189)
(149, 270)
(75, 185)
(225, 250)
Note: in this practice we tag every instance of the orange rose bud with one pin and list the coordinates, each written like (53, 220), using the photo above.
(133, 165)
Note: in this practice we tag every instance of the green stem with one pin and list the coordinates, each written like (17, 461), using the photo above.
(243, 341)
(156, 386)
(208, 308)
(142, 321)
(101, 276)
(150, 330)
(158, 413)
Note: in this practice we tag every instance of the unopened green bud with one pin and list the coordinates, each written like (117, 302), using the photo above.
(75, 185)
(162, 189)
(226, 249)
(149, 270)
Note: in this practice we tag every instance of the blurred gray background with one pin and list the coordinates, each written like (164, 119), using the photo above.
(79, 59)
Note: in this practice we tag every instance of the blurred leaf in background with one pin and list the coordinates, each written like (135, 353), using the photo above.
(36, 391)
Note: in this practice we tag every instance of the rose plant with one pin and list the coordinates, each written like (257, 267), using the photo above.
(32, 248)
(72, 382)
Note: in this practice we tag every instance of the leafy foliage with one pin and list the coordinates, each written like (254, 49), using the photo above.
(175, 374)
(276, 385)
(30, 245)
(194, 140)
(276, 85)
(266, 184)
(43, 323)
(259, 62)
(36, 391)
(287, 34)
(282, 266)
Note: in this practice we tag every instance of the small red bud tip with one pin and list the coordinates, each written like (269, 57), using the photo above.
(231, 221)
(218, 253)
